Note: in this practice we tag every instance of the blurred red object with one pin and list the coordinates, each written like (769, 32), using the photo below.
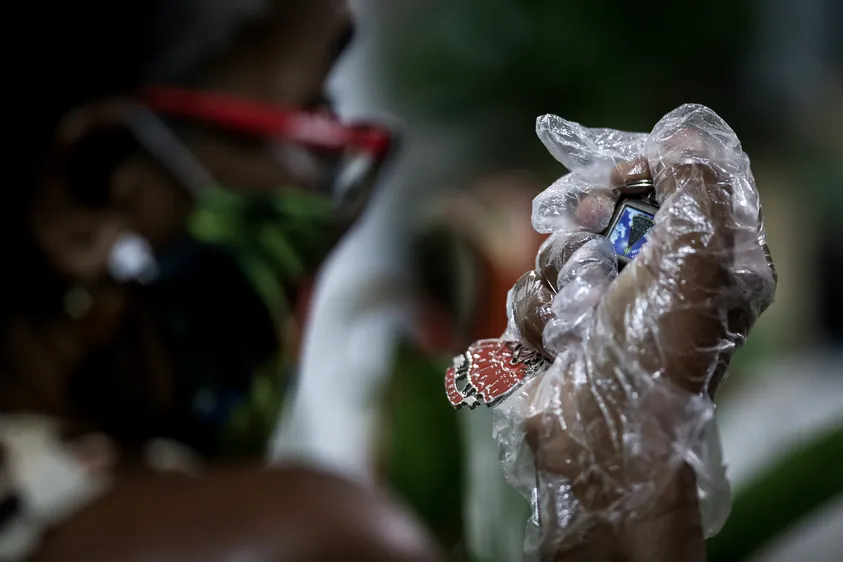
(493, 217)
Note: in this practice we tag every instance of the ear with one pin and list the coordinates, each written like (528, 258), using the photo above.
(87, 120)
(92, 142)
(96, 452)
(68, 214)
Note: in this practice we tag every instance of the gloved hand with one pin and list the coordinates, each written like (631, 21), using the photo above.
(605, 440)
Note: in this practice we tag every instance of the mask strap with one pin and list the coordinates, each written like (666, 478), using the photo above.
(131, 257)
(169, 151)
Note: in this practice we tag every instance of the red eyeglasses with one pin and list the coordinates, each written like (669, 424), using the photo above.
(311, 129)
(360, 150)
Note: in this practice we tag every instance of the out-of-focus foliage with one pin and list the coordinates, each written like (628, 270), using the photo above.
(484, 69)
(791, 489)
(503, 62)
(423, 451)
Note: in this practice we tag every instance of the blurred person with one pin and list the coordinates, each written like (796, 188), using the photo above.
(118, 317)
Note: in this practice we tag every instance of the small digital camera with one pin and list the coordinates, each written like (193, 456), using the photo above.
(635, 215)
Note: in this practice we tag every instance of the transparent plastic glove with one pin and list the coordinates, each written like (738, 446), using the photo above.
(622, 422)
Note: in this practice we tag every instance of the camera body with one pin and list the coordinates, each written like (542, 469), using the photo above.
(634, 216)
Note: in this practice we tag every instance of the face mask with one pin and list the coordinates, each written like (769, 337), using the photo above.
(278, 239)
(205, 288)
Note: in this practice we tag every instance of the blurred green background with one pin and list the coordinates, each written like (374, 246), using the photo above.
(468, 78)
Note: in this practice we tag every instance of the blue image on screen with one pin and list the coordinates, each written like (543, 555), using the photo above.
(629, 234)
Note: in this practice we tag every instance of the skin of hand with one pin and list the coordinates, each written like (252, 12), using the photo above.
(663, 332)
